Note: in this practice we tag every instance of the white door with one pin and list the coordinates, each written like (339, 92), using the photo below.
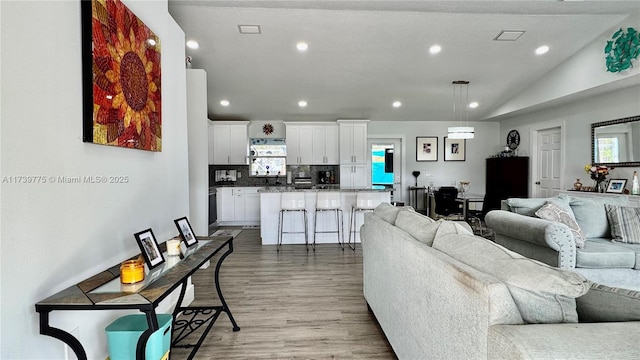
(381, 177)
(549, 162)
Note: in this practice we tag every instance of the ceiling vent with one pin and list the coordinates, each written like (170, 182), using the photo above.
(509, 35)
(249, 29)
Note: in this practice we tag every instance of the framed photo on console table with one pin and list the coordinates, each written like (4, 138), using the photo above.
(427, 148)
(186, 231)
(454, 149)
(149, 248)
(616, 186)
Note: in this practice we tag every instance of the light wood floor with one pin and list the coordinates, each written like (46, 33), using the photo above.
(290, 304)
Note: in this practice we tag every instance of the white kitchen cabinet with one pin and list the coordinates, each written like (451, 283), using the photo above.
(353, 176)
(299, 145)
(325, 144)
(238, 206)
(230, 143)
(353, 141)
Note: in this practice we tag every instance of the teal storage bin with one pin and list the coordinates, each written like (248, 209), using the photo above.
(124, 332)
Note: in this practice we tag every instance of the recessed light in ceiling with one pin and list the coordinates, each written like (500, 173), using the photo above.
(542, 50)
(302, 46)
(435, 49)
(473, 105)
(302, 103)
(249, 29)
(509, 35)
(192, 44)
(396, 104)
(224, 102)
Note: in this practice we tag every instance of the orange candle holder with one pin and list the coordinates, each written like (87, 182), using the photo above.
(131, 271)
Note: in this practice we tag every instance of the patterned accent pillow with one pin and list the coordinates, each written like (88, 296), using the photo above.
(624, 223)
(554, 212)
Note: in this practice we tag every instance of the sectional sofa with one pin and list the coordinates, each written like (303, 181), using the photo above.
(597, 237)
(439, 292)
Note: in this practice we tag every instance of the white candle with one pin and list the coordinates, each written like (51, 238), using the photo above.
(173, 247)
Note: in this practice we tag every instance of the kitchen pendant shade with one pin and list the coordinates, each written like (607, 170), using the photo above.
(460, 102)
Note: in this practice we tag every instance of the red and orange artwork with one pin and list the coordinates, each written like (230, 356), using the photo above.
(125, 70)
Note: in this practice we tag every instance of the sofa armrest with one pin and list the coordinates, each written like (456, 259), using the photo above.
(565, 341)
(540, 232)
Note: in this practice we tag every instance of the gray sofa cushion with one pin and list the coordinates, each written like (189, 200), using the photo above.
(624, 223)
(417, 225)
(603, 303)
(529, 206)
(601, 253)
(633, 247)
(387, 212)
(591, 215)
(542, 293)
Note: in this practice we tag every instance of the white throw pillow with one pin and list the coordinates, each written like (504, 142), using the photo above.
(553, 212)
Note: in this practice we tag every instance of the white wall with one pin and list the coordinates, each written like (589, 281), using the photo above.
(442, 173)
(577, 118)
(54, 235)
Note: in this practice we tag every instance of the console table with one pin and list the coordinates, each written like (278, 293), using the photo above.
(104, 291)
(634, 200)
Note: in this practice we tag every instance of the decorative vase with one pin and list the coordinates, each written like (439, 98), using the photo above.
(577, 185)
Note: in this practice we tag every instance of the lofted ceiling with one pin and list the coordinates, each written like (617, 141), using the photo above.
(364, 55)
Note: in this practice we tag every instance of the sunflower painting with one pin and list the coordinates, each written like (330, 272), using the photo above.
(121, 57)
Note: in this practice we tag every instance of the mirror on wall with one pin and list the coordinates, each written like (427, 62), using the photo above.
(616, 142)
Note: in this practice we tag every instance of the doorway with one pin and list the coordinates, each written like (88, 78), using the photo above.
(386, 166)
(548, 161)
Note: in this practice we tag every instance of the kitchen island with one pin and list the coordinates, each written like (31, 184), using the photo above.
(270, 209)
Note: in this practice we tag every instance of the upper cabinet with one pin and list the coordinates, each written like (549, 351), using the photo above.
(312, 144)
(353, 141)
(325, 144)
(230, 143)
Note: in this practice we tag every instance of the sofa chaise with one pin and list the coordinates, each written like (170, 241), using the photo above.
(439, 292)
(597, 237)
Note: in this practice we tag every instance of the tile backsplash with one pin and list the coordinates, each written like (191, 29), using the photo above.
(243, 178)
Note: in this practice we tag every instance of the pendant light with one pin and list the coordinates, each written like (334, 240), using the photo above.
(460, 111)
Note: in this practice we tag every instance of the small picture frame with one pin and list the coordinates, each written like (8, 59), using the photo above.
(149, 248)
(454, 149)
(186, 231)
(616, 186)
(427, 148)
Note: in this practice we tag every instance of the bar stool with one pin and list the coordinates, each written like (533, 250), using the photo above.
(292, 202)
(329, 201)
(365, 201)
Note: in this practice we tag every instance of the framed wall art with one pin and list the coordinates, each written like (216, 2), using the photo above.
(121, 74)
(454, 149)
(427, 148)
(149, 248)
(186, 231)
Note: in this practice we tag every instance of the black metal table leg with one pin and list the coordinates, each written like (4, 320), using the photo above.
(70, 340)
(152, 321)
(225, 308)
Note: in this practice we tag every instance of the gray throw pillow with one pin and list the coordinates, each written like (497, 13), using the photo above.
(422, 228)
(387, 212)
(554, 212)
(624, 223)
(529, 206)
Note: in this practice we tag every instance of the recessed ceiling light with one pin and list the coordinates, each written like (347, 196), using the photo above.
(473, 105)
(249, 29)
(224, 102)
(396, 104)
(435, 49)
(192, 44)
(302, 103)
(542, 50)
(302, 46)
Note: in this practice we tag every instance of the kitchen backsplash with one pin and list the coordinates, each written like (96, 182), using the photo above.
(243, 178)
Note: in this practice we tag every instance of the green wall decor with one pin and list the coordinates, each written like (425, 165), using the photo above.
(623, 47)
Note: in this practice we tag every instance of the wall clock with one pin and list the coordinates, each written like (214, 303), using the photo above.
(267, 129)
(513, 139)
(623, 47)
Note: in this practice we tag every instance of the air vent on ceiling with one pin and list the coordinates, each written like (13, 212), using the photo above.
(509, 35)
(249, 29)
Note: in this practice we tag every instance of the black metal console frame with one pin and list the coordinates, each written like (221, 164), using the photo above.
(45, 307)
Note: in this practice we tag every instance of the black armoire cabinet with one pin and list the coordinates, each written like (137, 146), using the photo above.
(507, 177)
